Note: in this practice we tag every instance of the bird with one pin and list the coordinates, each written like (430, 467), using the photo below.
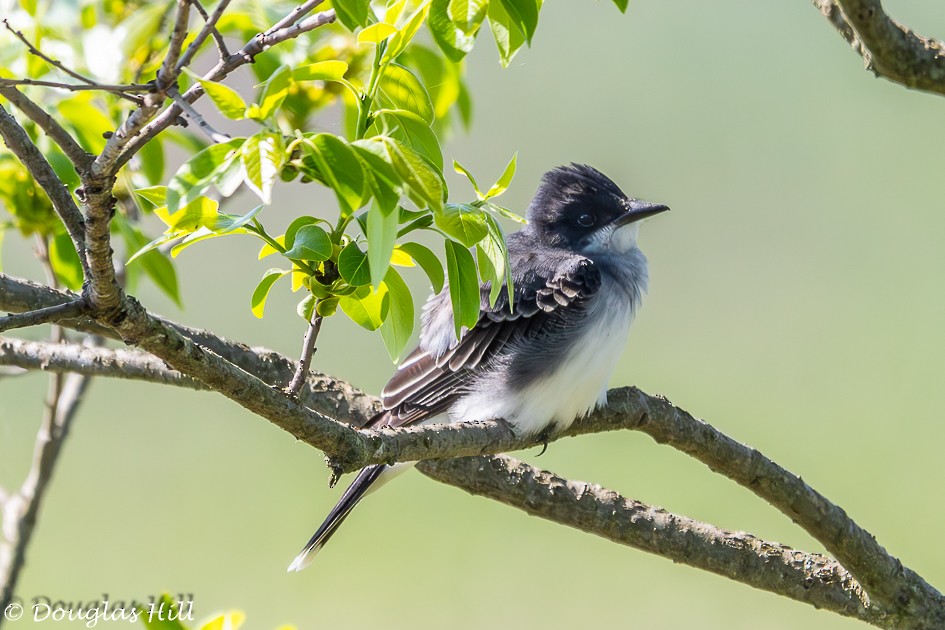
(538, 358)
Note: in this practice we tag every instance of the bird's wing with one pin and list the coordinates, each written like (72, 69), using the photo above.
(429, 380)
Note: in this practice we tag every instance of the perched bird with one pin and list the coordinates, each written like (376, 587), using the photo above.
(542, 360)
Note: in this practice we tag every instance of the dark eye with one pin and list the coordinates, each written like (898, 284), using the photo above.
(586, 220)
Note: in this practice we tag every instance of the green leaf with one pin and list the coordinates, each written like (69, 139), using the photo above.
(321, 71)
(455, 23)
(262, 157)
(306, 307)
(462, 170)
(200, 212)
(29, 6)
(339, 168)
(398, 43)
(413, 131)
(622, 5)
(382, 225)
(154, 263)
(493, 252)
(311, 242)
(399, 88)
(505, 212)
(353, 265)
(65, 261)
(274, 92)
(524, 13)
(502, 184)
(200, 172)
(366, 307)
(261, 293)
(376, 33)
(326, 307)
(158, 242)
(156, 195)
(509, 38)
(353, 13)
(462, 221)
(152, 161)
(411, 168)
(223, 225)
(463, 285)
(398, 326)
(428, 261)
(226, 99)
(87, 120)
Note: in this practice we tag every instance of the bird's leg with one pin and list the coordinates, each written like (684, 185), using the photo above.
(545, 436)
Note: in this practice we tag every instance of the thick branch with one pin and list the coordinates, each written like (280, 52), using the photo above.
(888, 48)
(806, 577)
(19, 142)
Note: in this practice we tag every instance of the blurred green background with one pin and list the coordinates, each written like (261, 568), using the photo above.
(796, 303)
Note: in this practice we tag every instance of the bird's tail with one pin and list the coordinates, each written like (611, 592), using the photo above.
(355, 492)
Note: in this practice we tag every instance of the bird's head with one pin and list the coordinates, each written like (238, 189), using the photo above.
(579, 208)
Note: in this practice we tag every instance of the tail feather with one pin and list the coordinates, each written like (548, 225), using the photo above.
(355, 492)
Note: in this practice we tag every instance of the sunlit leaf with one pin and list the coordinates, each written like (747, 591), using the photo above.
(502, 184)
(411, 130)
(455, 23)
(464, 222)
(375, 33)
(262, 156)
(311, 242)
(275, 91)
(410, 168)
(197, 174)
(201, 212)
(366, 307)
(462, 170)
(353, 13)
(261, 293)
(353, 265)
(398, 43)
(399, 88)
(339, 168)
(156, 195)
(225, 98)
(321, 71)
(428, 261)
(463, 286)
(524, 13)
(398, 326)
(382, 228)
(509, 38)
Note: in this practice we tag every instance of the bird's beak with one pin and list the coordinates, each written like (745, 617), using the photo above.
(638, 210)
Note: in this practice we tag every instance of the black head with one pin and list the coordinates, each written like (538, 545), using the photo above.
(577, 206)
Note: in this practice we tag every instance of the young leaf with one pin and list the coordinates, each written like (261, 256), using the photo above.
(262, 157)
(382, 234)
(201, 171)
(376, 33)
(321, 71)
(524, 13)
(398, 326)
(462, 170)
(493, 251)
(622, 5)
(261, 293)
(226, 99)
(413, 131)
(428, 261)
(505, 212)
(398, 43)
(310, 243)
(366, 307)
(339, 168)
(463, 286)
(274, 93)
(269, 250)
(155, 195)
(399, 88)
(502, 184)
(509, 38)
(353, 265)
(410, 168)
(455, 23)
(224, 224)
(353, 13)
(201, 212)
(463, 222)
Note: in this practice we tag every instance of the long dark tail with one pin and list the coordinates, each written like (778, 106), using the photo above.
(355, 492)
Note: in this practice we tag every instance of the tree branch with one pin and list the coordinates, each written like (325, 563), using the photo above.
(76, 154)
(209, 28)
(806, 577)
(305, 359)
(195, 116)
(19, 142)
(889, 49)
(43, 315)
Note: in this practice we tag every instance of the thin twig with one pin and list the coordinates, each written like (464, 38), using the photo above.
(119, 89)
(209, 27)
(197, 118)
(167, 75)
(294, 15)
(43, 315)
(76, 154)
(305, 359)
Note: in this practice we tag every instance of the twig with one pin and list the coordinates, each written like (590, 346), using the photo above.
(91, 85)
(807, 577)
(167, 75)
(889, 49)
(19, 142)
(139, 128)
(196, 117)
(119, 89)
(43, 315)
(209, 27)
(91, 361)
(76, 154)
(294, 15)
(305, 359)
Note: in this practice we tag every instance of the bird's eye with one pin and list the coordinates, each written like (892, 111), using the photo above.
(586, 220)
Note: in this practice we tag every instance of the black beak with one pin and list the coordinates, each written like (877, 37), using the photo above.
(638, 210)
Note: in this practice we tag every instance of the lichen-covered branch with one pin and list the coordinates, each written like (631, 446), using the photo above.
(807, 577)
(889, 49)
